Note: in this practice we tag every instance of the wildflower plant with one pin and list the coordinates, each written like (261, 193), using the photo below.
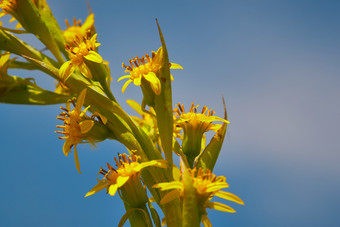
(145, 173)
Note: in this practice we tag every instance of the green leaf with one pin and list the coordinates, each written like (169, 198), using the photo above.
(16, 90)
(51, 24)
(208, 157)
(16, 46)
(163, 106)
(36, 22)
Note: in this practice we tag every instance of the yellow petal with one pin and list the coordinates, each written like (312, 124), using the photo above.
(156, 163)
(66, 70)
(158, 57)
(100, 186)
(85, 126)
(76, 158)
(125, 85)
(11, 20)
(169, 197)
(137, 81)
(4, 58)
(220, 207)
(102, 118)
(175, 66)
(94, 56)
(122, 180)
(80, 100)
(88, 22)
(169, 185)
(85, 71)
(216, 186)
(113, 189)
(84, 111)
(123, 77)
(229, 196)
(67, 147)
(18, 26)
(135, 105)
(154, 82)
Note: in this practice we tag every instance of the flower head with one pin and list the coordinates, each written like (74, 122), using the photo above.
(76, 124)
(8, 7)
(79, 51)
(77, 29)
(128, 169)
(206, 186)
(194, 126)
(146, 68)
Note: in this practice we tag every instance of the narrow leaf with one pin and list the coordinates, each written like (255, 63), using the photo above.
(163, 105)
(208, 158)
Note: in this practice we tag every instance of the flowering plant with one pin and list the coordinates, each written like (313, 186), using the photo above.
(84, 80)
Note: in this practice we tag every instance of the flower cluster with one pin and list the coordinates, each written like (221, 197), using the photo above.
(83, 81)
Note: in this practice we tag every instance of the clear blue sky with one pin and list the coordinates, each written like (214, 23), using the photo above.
(275, 62)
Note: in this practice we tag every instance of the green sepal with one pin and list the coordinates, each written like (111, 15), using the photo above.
(148, 94)
(141, 221)
(36, 22)
(190, 205)
(209, 156)
(16, 90)
(163, 105)
(99, 132)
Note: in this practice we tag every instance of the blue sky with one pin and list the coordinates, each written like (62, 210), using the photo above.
(275, 62)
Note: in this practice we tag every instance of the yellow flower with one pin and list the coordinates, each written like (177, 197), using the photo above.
(206, 185)
(128, 169)
(76, 124)
(8, 7)
(77, 29)
(78, 51)
(146, 68)
(194, 126)
(196, 121)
